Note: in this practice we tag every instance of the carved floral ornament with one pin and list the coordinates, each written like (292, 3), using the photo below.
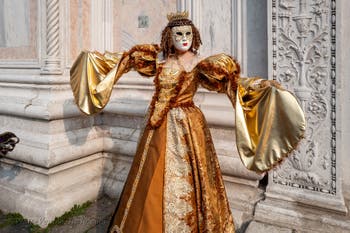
(303, 37)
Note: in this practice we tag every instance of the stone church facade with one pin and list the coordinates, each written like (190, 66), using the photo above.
(66, 158)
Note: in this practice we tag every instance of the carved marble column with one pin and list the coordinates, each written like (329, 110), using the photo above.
(52, 33)
(308, 186)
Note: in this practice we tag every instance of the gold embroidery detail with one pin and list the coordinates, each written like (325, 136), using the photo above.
(137, 179)
(170, 71)
(177, 16)
(177, 188)
(164, 98)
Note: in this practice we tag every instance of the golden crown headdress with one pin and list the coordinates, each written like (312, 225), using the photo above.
(177, 16)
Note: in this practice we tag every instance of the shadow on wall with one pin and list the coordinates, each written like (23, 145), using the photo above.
(78, 126)
(10, 173)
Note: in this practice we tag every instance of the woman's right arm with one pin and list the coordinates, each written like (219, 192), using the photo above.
(93, 74)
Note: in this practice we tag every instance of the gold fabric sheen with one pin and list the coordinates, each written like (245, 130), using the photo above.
(175, 182)
(269, 124)
(97, 69)
(93, 74)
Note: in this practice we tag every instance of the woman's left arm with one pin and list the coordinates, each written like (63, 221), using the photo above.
(269, 120)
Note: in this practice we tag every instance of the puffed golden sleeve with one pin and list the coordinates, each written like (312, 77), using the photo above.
(269, 120)
(219, 73)
(93, 74)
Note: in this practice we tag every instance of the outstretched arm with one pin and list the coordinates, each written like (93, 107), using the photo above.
(269, 120)
(93, 74)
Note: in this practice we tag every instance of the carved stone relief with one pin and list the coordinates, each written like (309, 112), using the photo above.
(303, 59)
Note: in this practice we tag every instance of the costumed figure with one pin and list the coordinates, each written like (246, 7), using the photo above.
(175, 182)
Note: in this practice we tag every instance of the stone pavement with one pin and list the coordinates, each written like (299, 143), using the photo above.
(95, 220)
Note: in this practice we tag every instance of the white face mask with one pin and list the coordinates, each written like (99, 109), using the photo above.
(182, 37)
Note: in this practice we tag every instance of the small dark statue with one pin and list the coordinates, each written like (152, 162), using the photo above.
(8, 141)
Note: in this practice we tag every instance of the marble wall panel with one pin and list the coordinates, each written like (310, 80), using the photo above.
(18, 38)
(128, 28)
(216, 27)
(14, 33)
(256, 27)
(80, 27)
(343, 58)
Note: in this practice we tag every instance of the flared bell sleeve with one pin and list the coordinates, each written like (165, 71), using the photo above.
(93, 74)
(269, 121)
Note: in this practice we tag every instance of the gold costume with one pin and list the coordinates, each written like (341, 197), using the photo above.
(175, 183)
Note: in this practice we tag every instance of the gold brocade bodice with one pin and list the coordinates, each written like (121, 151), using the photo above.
(174, 88)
